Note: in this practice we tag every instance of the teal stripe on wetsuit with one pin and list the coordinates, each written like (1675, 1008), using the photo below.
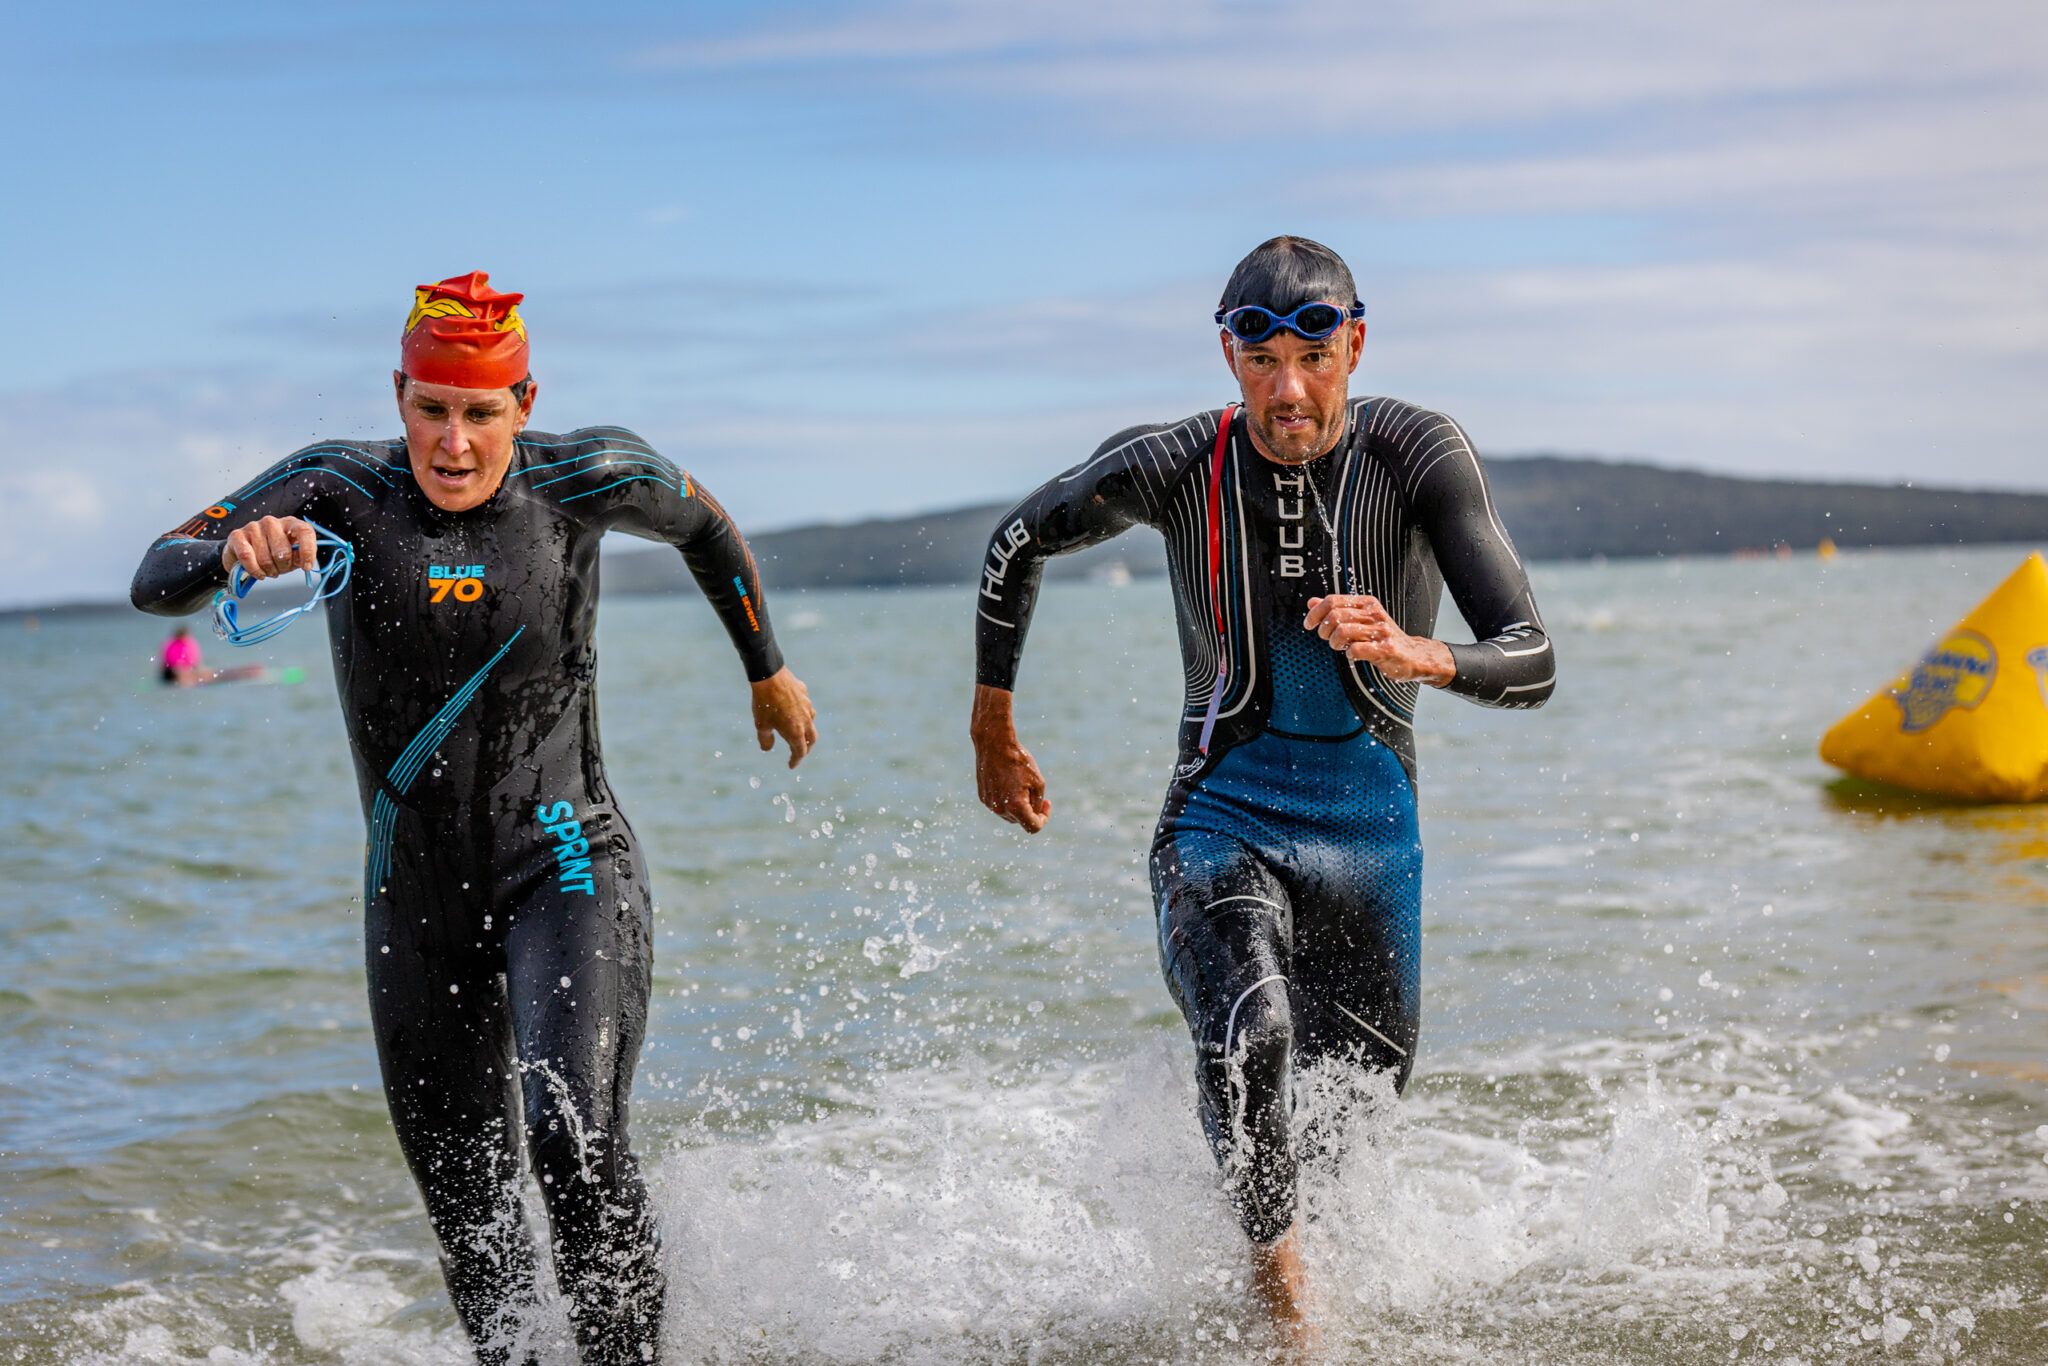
(383, 811)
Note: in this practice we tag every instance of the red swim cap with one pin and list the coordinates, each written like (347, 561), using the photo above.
(463, 332)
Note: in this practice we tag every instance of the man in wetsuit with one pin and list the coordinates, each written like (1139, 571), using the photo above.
(506, 904)
(1309, 536)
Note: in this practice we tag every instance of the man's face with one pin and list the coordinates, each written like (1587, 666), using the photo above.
(1294, 389)
(460, 440)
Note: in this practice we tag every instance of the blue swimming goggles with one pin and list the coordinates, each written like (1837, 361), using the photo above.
(325, 581)
(1310, 322)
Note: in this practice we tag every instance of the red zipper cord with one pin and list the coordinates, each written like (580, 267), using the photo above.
(1216, 517)
(1216, 572)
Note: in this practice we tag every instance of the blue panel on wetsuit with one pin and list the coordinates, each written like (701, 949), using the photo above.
(1341, 816)
(1308, 689)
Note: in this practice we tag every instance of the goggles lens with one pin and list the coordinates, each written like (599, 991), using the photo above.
(1311, 322)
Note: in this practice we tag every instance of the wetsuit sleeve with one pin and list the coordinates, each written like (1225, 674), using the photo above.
(180, 572)
(1511, 664)
(1105, 494)
(662, 502)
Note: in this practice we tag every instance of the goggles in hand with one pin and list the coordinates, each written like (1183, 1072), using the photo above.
(327, 580)
(1310, 322)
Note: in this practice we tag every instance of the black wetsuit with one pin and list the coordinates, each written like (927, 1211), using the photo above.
(507, 909)
(1287, 865)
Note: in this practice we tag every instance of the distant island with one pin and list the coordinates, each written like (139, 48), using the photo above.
(1556, 507)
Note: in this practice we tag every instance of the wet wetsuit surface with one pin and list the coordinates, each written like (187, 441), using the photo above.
(507, 909)
(1287, 864)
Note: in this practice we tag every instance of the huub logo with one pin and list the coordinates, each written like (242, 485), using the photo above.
(1014, 539)
(1292, 565)
(463, 582)
(2037, 659)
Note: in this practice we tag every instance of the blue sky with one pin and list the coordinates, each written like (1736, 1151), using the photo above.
(856, 260)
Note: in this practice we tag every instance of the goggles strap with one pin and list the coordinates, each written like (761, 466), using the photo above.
(326, 580)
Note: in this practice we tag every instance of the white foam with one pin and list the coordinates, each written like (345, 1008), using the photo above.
(958, 1213)
(952, 1220)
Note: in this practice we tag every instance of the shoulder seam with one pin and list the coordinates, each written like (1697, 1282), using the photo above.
(587, 450)
(1158, 454)
(373, 476)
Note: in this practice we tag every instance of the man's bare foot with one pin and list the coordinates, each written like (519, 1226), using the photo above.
(1280, 1288)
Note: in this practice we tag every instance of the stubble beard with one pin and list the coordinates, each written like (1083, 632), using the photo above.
(1299, 451)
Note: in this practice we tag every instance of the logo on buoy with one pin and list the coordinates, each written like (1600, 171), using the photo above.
(2038, 658)
(1955, 673)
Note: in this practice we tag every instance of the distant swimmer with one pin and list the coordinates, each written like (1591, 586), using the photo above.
(508, 916)
(183, 666)
(1309, 536)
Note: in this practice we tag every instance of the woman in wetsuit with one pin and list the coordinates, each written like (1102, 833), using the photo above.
(507, 911)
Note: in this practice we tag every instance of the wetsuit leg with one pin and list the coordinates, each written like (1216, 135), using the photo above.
(1355, 880)
(444, 1042)
(1288, 877)
(1225, 931)
(1358, 934)
(578, 975)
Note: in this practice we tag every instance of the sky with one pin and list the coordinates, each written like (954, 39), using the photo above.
(857, 260)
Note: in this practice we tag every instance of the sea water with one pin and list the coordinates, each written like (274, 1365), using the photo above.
(1721, 1060)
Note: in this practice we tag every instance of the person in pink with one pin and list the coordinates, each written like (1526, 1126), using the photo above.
(182, 663)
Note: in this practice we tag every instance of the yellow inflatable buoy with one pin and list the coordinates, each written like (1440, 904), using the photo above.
(1971, 718)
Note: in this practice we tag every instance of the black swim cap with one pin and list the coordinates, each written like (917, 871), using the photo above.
(1287, 272)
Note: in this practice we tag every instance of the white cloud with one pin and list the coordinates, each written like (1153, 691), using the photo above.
(1751, 110)
(1403, 65)
(93, 470)
(1825, 228)
(1977, 161)
(1861, 361)
(1833, 215)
